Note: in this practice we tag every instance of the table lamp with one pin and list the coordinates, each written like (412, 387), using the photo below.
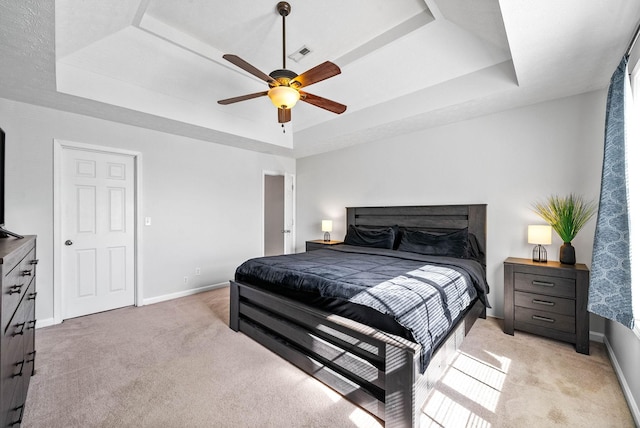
(327, 226)
(539, 235)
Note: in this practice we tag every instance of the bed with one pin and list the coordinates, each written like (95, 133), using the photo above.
(385, 370)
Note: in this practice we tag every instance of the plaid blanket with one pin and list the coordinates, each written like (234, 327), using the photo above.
(424, 294)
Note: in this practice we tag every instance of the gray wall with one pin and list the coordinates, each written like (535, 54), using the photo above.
(625, 349)
(204, 199)
(506, 160)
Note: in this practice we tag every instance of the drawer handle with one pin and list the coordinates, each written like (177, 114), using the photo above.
(31, 325)
(545, 319)
(19, 420)
(15, 289)
(26, 272)
(543, 283)
(34, 262)
(21, 332)
(32, 296)
(21, 364)
(543, 302)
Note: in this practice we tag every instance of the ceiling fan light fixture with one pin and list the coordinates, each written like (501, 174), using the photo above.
(283, 96)
(285, 84)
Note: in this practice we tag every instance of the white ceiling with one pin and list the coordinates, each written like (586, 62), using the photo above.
(406, 65)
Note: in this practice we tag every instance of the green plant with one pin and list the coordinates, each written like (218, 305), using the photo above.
(566, 215)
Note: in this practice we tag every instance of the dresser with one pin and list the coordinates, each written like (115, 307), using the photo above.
(548, 299)
(320, 243)
(17, 346)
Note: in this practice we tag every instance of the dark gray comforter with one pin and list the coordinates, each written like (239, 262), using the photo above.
(426, 295)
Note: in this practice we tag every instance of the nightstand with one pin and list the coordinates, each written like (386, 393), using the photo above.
(548, 299)
(320, 243)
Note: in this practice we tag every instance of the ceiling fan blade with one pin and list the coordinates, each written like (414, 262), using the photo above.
(242, 98)
(316, 74)
(284, 115)
(237, 61)
(324, 103)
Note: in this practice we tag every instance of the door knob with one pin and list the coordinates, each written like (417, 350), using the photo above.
(68, 242)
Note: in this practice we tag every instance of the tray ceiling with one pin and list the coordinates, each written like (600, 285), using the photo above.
(406, 65)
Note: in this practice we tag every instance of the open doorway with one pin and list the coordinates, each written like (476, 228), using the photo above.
(278, 214)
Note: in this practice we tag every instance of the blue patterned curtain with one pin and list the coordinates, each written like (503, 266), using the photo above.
(610, 284)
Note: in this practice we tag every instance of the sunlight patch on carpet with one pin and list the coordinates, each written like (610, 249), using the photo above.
(442, 411)
(467, 383)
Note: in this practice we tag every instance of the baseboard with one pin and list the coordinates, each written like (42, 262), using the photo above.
(45, 323)
(595, 336)
(633, 406)
(164, 298)
(52, 321)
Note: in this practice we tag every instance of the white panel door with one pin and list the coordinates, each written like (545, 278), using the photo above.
(97, 192)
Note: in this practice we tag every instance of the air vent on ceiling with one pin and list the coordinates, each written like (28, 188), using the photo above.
(300, 53)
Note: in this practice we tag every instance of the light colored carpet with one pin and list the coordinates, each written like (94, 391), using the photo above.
(177, 364)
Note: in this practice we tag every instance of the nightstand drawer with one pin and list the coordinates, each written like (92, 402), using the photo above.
(544, 284)
(540, 302)
(319, 244)
(545, 319)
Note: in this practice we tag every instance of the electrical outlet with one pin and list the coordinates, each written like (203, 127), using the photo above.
(186, 279)
(147, 221)
(197, 271)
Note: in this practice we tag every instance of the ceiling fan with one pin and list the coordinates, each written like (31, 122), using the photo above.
(284, 85)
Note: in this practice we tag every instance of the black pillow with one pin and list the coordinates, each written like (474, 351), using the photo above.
(475, 250)
(380, 237)
(397, 232)
(454, 244)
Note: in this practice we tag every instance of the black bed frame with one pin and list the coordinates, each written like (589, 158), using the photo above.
(378, 371)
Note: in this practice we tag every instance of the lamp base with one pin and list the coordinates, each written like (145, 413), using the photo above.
(327, 237)
(539, 254)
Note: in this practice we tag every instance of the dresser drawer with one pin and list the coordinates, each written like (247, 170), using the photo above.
(12, 369)
(545, 319)
(557, 305)
(17, 329)
(544, 284)
(15, 284)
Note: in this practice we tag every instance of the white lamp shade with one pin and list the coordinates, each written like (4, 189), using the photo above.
(327, 226)
(283, 96)
(540, 234)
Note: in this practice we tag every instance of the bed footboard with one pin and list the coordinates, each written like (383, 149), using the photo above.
(373, 369)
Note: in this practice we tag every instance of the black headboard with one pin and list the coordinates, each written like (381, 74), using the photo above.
(437, 218)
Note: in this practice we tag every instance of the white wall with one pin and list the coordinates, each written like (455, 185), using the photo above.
(204, 199)
(506, 160)
(624, 350)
